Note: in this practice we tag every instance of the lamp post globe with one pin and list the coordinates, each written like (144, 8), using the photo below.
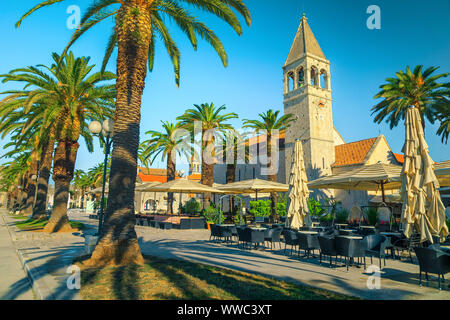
(95, 127)
(108, 126)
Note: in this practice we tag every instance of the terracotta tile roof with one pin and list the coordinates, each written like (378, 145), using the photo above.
(353, 152)
(399, 157)
(160, 175)
(262, 138)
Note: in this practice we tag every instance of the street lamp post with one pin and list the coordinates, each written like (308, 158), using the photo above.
(106, 130)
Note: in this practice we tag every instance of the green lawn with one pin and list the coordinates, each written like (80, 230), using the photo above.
(167, 279)
(38, 224)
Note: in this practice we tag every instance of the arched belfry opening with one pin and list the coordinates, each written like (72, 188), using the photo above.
(291, 81)
(323, 79)
(301, 77)
(314, 76)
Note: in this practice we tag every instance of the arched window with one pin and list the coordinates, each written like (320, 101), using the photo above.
(149, 205)
(301, 77)
(323, 79)
(290, 80)
(313, 76)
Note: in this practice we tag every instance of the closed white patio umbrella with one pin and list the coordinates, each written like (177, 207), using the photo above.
(422, 204)
(298, 193)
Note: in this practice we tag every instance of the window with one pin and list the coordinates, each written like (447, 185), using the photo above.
(301, 77)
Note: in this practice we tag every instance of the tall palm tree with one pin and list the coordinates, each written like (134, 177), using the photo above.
(233, 146)
(138, 24)
(72, 96)
(14, 123)
(269, 123)
(411, 88)
(167, 144)
(212, 121)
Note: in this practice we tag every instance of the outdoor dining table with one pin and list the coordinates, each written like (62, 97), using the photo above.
(391, 234)
(308, 232)
(352, 237)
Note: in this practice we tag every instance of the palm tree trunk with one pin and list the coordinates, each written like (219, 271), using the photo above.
(207, 177)
(63, 168)
(231, 177)
(118, 243)
(273, 178)
(23, 194)
(31, 190)
(171, 165)
(40, 207)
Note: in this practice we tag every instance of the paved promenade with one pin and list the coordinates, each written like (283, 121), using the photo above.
(14, 284)
(46, 258)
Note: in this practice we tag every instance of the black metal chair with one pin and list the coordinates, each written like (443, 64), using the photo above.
(215, 232)
(375, 245)
(234, 232)
(350, 249)
(225, 233)
(273, 236)
(290, 238)
(307, 243)
(328, 248)
(432, 260)
(405, 244)
(244, 235)
(256, 237)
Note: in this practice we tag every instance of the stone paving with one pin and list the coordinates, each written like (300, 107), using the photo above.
(399, 280)
(14, 283)
(46, 258)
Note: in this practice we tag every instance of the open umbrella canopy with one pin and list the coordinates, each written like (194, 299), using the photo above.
(99, 189)
(422, 204)
(254, 185)
(298, 190)
(182, 186)
(373, 177)
(144, 186)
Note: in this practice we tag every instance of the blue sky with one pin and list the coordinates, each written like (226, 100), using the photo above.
(412, 32)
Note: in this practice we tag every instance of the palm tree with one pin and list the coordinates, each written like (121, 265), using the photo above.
(211, 121)
(14, 123)
(166, 144)
(138, 24)
(269, 123)
(443, 115)
(72, 95)
(416, 88)
(233, 143)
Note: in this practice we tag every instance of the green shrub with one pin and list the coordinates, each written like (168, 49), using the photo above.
(371, 215)
(342, 216)
(315, 208)
(260, 208)
(281, 209)
(212, 215)
(238, 219)
(192, 206)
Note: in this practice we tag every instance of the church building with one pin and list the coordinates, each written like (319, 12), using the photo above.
(307, 92)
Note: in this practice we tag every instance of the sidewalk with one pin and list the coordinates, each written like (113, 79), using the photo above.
(45, 259)
(14, 284)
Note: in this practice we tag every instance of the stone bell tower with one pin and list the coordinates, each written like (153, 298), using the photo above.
(307, 95)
